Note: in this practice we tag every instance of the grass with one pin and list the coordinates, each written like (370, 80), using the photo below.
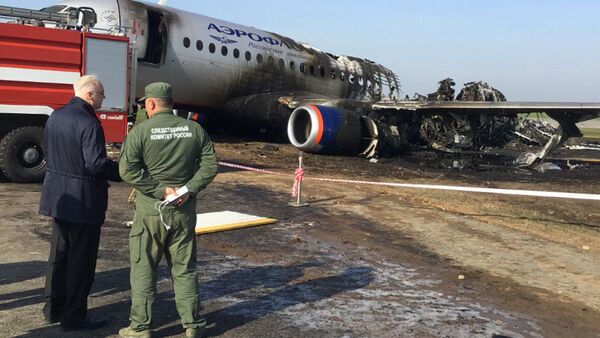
(591, 133)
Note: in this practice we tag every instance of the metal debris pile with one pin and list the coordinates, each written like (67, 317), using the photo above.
(534, 131)
(475, 132)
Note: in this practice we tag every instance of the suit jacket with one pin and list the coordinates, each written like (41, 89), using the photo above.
(75, 186)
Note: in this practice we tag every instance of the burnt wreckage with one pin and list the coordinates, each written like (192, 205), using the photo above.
(447, 131)
(442, 122)
(372, 122)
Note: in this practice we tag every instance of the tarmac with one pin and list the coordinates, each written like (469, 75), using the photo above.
(359, 261)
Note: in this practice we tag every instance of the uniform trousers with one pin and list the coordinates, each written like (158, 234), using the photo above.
(71, 271)
(149, 240)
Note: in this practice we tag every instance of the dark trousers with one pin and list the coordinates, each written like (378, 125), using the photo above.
(71, 271)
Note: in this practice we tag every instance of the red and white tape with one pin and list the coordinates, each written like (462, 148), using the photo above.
(514, 192)
(243, 167)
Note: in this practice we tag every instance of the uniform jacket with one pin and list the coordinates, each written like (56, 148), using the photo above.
(167, 151)
(75, 186)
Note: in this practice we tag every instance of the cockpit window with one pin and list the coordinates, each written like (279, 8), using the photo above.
(61, 9)
(72, 11)
(53, 9)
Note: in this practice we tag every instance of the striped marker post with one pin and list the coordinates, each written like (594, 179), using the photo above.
(297, 189)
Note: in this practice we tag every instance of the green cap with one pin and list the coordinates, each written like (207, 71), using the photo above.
(158, 90)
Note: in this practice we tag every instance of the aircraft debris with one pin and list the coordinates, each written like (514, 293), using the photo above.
(443, 125)
(573, 166)
(449, 132)
(547, 166)
(535, 131)
(583, 146)
(445, 91)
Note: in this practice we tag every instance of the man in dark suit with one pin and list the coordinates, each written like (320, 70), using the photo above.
(75, 194)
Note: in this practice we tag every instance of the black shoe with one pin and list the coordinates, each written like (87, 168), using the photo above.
(52, 319)
(51, 316)
(85, 325)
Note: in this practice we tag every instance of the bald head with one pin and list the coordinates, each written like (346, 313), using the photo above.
(90, 89)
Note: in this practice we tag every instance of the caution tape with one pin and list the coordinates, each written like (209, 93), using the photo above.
(514, 192)
(243, 167)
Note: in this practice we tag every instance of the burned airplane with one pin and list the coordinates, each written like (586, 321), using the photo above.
(325, 103)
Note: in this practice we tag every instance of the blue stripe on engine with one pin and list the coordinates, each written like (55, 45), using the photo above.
(331, 125)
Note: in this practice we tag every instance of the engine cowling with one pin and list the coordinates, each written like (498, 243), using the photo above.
(330, 130)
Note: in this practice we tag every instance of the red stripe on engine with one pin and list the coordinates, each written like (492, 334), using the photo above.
(320, 126)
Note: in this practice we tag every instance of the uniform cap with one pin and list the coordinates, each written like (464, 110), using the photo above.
(158, 90)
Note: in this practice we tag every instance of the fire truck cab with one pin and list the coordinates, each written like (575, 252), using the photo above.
(41, 55)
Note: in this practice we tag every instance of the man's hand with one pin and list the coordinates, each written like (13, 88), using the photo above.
(169, 191)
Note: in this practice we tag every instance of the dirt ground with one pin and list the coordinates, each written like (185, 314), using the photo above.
(359, 261)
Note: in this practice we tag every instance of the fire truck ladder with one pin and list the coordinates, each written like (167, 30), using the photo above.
(84, 16)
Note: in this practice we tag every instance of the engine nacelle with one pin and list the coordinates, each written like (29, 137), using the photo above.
(330, 130)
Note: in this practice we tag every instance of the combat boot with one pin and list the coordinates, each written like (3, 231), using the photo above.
(127, 332)
(195, 332)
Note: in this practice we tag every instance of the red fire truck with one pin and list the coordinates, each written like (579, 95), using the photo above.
(41, 56)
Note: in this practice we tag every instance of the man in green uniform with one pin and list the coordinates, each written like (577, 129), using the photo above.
(141, 115)
(159, 156)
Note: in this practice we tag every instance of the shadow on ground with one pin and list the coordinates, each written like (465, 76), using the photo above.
(225, 319)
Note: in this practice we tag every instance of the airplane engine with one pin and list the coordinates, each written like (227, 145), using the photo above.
(330, 130)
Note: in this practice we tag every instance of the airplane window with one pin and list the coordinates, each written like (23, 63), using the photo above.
(322, 71)
(236, 53)
(282, 64)
(248, 56)
(212, 48)
(332, 74)
(292, 65)
(270, 60)
(302, 68)
(224, 50)
(199, 45)
(312, 70)
(186, 42)
(259, 58)
(342, 76)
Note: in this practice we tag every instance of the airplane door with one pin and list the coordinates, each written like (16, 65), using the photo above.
(156, 45)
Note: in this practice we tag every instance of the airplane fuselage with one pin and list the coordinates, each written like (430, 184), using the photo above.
(211, 62)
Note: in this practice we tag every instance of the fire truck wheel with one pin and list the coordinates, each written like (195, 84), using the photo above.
(21, 155)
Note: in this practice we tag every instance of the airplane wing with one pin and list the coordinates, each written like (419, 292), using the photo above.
(578, 110)
(505, 107)
(367, 128)
(567, 114)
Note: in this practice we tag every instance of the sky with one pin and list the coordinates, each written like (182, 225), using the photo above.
(531, 50)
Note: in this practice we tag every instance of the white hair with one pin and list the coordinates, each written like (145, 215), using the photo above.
(86, 84)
